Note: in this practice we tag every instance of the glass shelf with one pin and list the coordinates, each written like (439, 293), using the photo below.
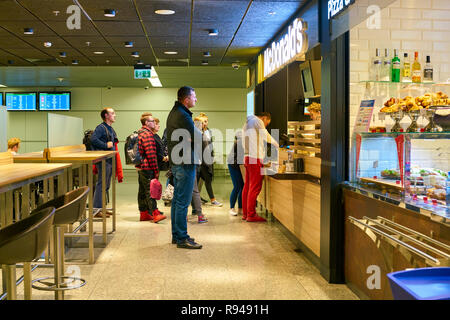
(413, 135)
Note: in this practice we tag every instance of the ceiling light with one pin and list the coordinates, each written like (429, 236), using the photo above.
(2, 85)
(272, 13)
(153, 72)
(213, 32)
(164, 12)
(128, 44)
(135, 54)
(206, 54)
(62, 55)
(170, 52)
(111, 13)
(47, 44)
(140, 62)
(204, 62)
(155, 82)
(60, 79)
(74, 61)
(28, 31)
(98, 52)
(107, 61)
(88, 43)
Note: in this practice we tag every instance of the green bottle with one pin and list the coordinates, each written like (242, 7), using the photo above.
(395, 65)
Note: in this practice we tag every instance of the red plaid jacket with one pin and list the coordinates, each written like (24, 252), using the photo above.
(147, 150)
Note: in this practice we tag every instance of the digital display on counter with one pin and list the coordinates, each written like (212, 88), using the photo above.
(20, 101)
(54, 101)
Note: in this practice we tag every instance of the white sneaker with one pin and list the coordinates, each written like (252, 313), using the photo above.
(233, 212)
(216, 203)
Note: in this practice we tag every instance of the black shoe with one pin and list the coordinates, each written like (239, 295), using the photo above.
(194, 213)
(203, 200)
(188, 244)
(175, 241)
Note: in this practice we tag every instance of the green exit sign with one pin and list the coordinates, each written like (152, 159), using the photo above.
(142, 73)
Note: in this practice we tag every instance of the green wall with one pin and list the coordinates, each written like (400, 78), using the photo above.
(225, 107)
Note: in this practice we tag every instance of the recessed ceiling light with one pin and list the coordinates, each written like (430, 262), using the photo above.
(155, 82)
(88, 43)
(213, 32)
(111, 13)
(2, 85)
(28, 31)
(206, 54)
(74, 61)
(251, 43)
(107, 61)
(205, 62)
(62, 55)
(98, 52)
(140, 62)
(135, 54)
(47, 44)
(164, 12)
(128, 44)
(170, 52)
(10, 61)
(272, 13)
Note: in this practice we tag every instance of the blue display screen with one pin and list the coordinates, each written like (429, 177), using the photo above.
(21, 101)
(1, 98)
(54, 101)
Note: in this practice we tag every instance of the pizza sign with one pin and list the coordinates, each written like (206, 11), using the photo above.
(337, 6)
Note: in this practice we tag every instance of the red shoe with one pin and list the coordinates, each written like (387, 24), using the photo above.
(145, 216)
(157, 216)
(202, 219)
(256, 219)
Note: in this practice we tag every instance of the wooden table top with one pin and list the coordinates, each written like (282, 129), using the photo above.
(81, 156)
(31, 157)
(17, 172)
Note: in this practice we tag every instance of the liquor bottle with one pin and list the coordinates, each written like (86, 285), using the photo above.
(375, 69)
(428, 71)
(386, 69)
(395, 71)
(406, 70)
(416, 69)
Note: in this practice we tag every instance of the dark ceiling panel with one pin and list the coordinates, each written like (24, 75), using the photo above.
(38, 42)
(29, 53)
(45, 9)
(125, 10)
(125, 52)
(17, 28)
(11, 11)
(89, 52)
(221, 11)
(86, 28)
(272, 11)
(102, 61)
(167, 29)
(242, 40)
(215, 52)
(213, 42)
(113, 28)
(182, 53)
(173, 63)
(172, 42)
(80, 42)
(69, 52)
(17, 61)
(182, 10)
(13, 42)
(138, 42)
(147, 59)
(82, 61)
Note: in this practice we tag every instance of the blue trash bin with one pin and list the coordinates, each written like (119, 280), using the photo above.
(420, 284)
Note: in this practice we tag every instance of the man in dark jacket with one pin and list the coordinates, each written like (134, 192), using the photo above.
(103, 138)
(184, 155)
(147, 170)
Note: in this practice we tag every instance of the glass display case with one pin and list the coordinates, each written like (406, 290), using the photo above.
(413, 165)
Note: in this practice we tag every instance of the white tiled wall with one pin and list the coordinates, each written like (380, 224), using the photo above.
(406, 25)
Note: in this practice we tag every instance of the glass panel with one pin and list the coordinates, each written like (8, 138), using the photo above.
(64, 130)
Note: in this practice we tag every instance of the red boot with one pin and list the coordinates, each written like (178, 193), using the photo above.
(145, 216)
(157, 216)
(255, 218)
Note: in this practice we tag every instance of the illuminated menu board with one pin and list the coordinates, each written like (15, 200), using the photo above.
(21, 101)
(54, 101)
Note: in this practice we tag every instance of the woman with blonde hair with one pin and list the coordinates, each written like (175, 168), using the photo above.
(13, 145)
(206, 171)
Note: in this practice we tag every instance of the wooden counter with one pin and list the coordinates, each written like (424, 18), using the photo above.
(31, 157)
(362, 253)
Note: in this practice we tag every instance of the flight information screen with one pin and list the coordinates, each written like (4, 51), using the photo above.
(21, 101)
(1, 98)
(55, 101)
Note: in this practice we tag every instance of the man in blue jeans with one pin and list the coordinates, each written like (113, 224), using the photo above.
(103, 138)
(184, 144)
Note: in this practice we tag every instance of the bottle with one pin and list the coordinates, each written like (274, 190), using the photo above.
(416, 69)
(395, 71)
(376, 66)
(386, 71)
(447, 190)
(428, 71)
(406, 70)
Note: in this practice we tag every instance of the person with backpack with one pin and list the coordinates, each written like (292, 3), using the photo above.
(161, 148)
(147, 170)
(103, 138)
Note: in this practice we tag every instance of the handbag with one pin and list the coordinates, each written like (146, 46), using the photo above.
(155, 189)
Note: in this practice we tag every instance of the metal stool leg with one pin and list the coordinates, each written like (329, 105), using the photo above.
(27, 280)
(58, 243)
(9, 273)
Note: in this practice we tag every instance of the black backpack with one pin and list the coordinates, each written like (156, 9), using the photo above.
(132, 155)
(87, 139)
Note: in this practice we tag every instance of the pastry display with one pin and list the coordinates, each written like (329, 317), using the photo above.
(438, 194)
(408, 103)
(314, 110)
(390, 174)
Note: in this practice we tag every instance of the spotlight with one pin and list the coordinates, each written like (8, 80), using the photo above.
(213, 32)
(62, 55)
(206, 54)
(47, 44)
(135, 54)
(111, 13)
(128, 44)
(75, 62)
(28, 31)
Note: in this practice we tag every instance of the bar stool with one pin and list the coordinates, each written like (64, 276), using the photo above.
(69, 209)
(22, 242)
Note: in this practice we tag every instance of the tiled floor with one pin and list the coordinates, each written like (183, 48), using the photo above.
(239, 260)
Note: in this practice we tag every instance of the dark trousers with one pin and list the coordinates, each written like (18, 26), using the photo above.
(207, 177)
(145, 202)
(238, 186)
(98, 186)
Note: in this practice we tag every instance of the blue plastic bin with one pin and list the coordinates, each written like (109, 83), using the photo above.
(421, 284)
